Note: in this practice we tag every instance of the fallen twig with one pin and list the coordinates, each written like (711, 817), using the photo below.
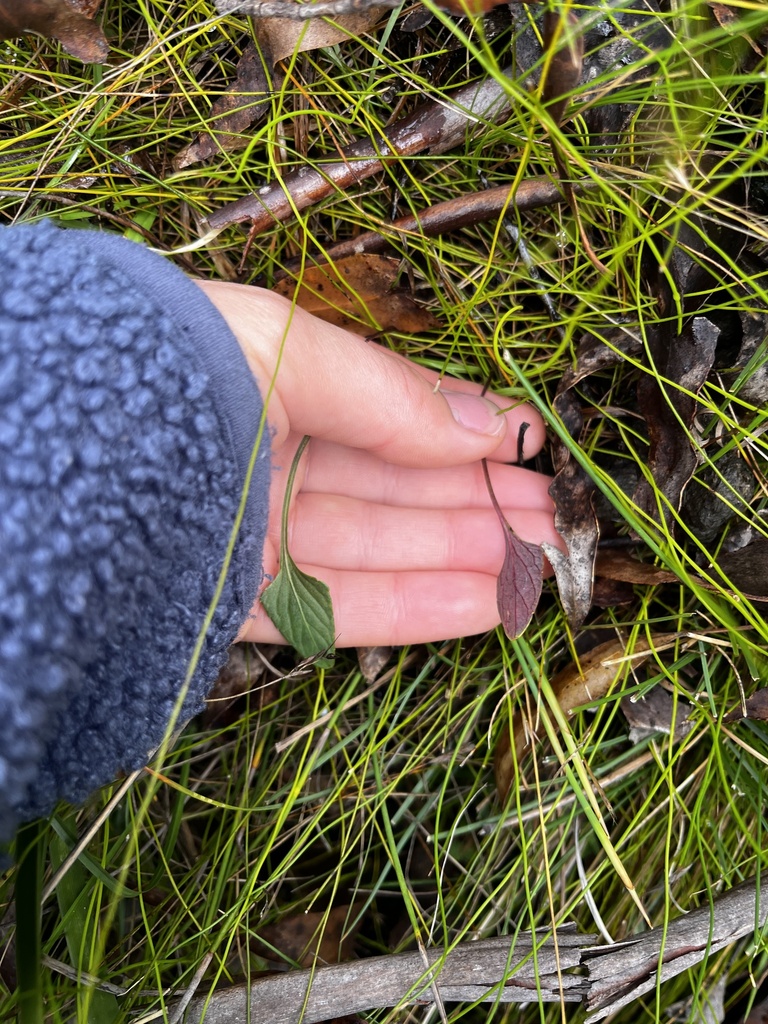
(623, 972)
(451, 215)
(502, 970)
(499, 970)
(437, 127)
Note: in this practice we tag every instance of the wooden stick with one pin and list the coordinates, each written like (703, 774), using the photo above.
(437, 127)
(623, 972)
(502, 970)
(498, 970)
(452, 215)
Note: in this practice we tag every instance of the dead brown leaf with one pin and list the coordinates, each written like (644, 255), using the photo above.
(243, 673)
(69, 21)
(727, 19)
(359, 293)
(669, 410)
(756, 708)
(572, 490)
(311, 936)
(619, 565)
(689, 273)
(246, 103)
(709, 499)
(563, 37)
(607, 593)
(282, 37)
(747, 568)
(751, 383)
(653, 713)
(589, 679)
(373, 661)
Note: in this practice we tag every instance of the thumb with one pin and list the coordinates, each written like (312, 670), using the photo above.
(336, 386)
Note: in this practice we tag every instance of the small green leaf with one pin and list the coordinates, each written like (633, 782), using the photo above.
(300, 607)
(298, 604)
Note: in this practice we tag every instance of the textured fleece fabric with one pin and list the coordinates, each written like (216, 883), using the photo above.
(128, 416)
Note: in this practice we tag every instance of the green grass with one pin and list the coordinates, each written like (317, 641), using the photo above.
(388, 805)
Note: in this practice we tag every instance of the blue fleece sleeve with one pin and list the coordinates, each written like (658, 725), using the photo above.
(128, 418)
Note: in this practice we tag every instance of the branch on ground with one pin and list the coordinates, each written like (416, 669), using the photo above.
(451, 215)
(437, 127)
(500, 970)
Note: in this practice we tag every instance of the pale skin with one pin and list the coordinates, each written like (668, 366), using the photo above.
(390, 507)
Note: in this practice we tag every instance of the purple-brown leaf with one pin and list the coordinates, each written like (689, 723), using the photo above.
(518, 587)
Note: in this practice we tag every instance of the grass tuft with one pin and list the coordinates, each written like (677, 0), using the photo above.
(308, 800)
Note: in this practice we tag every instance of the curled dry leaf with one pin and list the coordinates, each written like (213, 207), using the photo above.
(69, 21)
(708, 501)
(727, 18)
(564, 44)
(747, 568)
(655, 712)
(358, 293)
(373, 661)
(243, 105)
(572, 489)
(669, 410)
(580, 683)
(689, 273)
(751, 381)
(279, 38)
(309, 936)
(619, 565)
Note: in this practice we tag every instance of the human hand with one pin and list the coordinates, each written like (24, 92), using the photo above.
(389, 508)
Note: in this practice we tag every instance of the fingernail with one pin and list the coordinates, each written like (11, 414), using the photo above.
(475, 413)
